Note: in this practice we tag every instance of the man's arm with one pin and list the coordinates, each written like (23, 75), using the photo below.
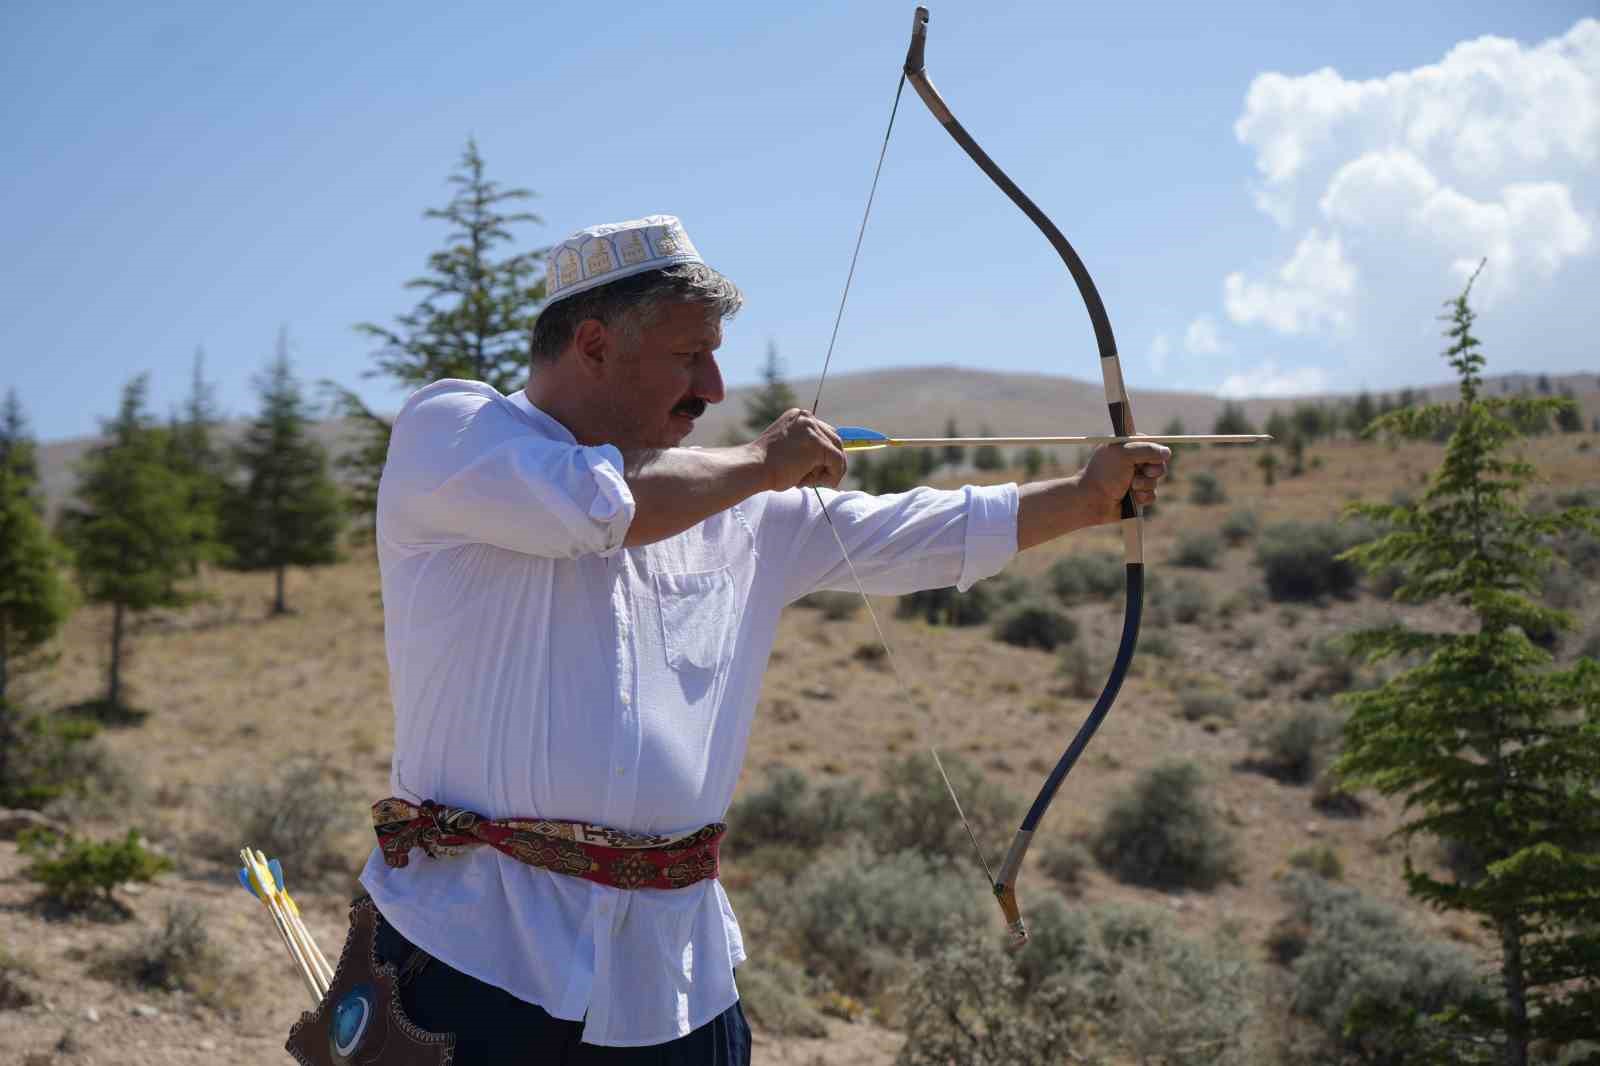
(676, 488)
(1091, 497)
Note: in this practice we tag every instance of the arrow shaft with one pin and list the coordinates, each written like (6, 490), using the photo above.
(978, 442)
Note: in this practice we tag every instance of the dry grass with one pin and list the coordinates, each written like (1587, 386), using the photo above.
(234, 697)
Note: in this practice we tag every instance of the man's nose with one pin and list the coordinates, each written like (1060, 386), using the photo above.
(708, 382)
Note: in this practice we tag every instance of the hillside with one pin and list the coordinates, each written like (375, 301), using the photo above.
(233, 700)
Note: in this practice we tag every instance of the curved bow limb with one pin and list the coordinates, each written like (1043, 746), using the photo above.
(1121, 412)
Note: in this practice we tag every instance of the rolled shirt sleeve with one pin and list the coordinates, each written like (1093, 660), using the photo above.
(467, 465)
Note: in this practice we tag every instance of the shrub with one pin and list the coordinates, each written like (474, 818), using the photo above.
(1036, 625)
(835, 606)
(1320, 860)
(1186, 602)
(1239, 526)
(1066, 863)
(1081, 671)
(300, 815)
(1301, 562)
(1329, 796)
(788, 812)
(180, 956)
(1206, 490)
(1292, 749)
(1098, 575)
(863, 920)
(45, 758)
(1162, 834)
(777, 995)
(1201, 703)
(913, 809)
(14, 994)
(1197, 550)
(1283, 669)
(76, 873)
(947, 607)
(1366, 978)
(1333, 670)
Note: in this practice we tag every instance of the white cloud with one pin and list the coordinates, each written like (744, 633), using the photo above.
(1160, 350)
(1311, 290)
(1413, 177)
(1268, 380)
(1201, 337)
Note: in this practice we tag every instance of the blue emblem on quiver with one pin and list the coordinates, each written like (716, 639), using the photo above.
(350, 1021)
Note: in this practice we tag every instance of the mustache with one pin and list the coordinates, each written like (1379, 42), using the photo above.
(693, 407)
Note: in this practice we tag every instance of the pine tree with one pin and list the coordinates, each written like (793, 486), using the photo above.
(193, 453)
(131, 533)
(1233, 420)
(953, 454)
(1494, 751)
(34, 598)
(773, 398)
(287, 511)
(477, 307)
(474, 321)
(987, 456)
(18, 452)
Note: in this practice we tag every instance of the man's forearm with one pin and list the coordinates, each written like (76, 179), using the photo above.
(675, 488)
(1049, 509)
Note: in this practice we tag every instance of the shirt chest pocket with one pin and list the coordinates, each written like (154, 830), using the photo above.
(697, 618)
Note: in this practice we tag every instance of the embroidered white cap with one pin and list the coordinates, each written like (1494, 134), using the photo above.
(602, 254)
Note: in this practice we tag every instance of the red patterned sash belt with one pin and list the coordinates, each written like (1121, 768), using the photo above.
(593, 852)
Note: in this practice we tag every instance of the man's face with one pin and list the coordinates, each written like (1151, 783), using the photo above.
(667, 381)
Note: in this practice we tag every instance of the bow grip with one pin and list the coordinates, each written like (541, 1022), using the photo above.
(919, 39)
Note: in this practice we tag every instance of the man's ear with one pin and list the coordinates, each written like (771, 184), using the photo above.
(591, 343)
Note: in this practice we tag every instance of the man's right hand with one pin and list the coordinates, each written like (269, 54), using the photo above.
(800, 449)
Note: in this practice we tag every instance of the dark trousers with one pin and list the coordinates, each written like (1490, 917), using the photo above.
(494, 1028)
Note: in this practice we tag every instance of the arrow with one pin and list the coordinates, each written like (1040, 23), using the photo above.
(860, 439)
(264, 880)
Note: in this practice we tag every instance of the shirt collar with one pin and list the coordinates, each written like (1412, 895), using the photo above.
(519, 400)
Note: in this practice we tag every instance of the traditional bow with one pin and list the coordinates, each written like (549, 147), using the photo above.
(1004, 883)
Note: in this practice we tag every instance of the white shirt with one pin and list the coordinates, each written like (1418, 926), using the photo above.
(539, 669)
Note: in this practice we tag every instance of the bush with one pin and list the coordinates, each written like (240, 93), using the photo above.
(1197, 550)
(913, 808)
(179, 957)
(45, 758)
(864, 920)
(1036, 625)
(1081, 671)
(1320, 860)
(777, 995)
(1293, 748)
(1283, 669)
(1239, 527)
(1333, 670)
(1184, 601)
(1301, 562)
(947, 607)
(787, 812)
(300, 816)
(1087, 577)
(1197, 704)
(1366, 978)
(14, 993)
(1066, 863)
(835, 606)
(77, 873)
(1330, 797)
(1163, 835)
(1206, 490)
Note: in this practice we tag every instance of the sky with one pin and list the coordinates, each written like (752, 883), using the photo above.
(1273, 198)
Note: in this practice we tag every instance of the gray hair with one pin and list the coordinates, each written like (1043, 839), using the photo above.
(632, 304)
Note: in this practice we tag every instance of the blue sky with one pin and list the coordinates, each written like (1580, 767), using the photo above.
(1272, 197)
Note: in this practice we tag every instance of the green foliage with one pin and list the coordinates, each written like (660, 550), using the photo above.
(1197, 550)
(1036, 625)
(1293, 748)
(1162, 833)
(1205, 489)
(948, 606)
(1232, 420)
(768, 403)
(76, 873)
(180, 956)
(1318, 859)
(194, 455)
(1307, 562)
(777, 995)
(913, 808)
(835, 606)
(1032, 461)
(953, 454)
(1183, 601)
(1490, 746)
(1207, 703)
(987, 456)
(132, 532)
(301, 814)
(899, 470)
(1240, 525)
(34, 597)
(1066, 863)
(19, 453)
(476, 310)
(360, 462)
(788, 812)
(43, 758)
(1093, 576)
(287, 511)
(1368, 980)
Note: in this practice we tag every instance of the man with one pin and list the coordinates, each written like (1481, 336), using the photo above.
(578, 612)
